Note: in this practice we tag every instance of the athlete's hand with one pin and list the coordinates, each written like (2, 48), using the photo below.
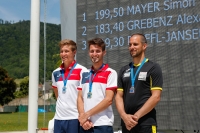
(129, 121)
(87, 125)
(135, 117)
(83, 117)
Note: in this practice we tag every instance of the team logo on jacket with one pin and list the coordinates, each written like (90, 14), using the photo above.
(85, 77)
(142, 76)
(127, 73)
(57, 75)
(102, 77)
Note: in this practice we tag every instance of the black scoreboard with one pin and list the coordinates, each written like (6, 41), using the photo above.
(172, 29)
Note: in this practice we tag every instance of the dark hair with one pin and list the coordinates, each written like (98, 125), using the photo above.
(143, 38)
(97, 41)
(69, 43)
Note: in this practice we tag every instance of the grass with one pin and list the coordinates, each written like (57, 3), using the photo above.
(18, 121)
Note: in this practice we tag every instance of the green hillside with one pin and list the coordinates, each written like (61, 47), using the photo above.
(15, 47)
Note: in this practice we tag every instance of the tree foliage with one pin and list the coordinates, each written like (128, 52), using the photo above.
(24, 88)
(15, 47)
(7, 87)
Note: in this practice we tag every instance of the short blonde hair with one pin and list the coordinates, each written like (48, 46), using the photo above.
(69, 43)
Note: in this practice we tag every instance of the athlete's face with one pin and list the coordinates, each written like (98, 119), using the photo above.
(136, 47)
(96, 54)
(66, 54)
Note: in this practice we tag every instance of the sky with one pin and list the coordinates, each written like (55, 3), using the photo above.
(16, 10)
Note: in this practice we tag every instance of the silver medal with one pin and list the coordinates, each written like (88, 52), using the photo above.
(89, 95)
(132, 89)
(64, 89)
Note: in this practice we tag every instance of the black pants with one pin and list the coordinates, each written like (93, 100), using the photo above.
(140, 129)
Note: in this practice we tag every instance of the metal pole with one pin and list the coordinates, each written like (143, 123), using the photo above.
(34, 66)
(44, 87)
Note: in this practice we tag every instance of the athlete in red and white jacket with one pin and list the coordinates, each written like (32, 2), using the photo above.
(65, 81)
(96, 92)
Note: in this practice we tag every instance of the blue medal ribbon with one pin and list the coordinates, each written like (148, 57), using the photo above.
(133, 76)
(65, 80)
(91, 78)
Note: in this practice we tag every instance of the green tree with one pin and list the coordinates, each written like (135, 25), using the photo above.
(15, 48)
(24, 87)
(7, 87)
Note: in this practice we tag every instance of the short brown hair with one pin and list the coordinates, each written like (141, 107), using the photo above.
(143, 38)
(97, 41)
(69, 43)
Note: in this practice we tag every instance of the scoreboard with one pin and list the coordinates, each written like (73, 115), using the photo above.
(172, 29)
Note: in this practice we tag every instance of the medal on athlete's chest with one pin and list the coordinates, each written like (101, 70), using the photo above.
(65, 80)
(91, 78)
(132, 89)
(134, 75)
(89, 95)
(64, 89)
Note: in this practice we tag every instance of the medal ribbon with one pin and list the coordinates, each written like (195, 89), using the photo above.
(91, 78)
(63, 77)
(133, 76)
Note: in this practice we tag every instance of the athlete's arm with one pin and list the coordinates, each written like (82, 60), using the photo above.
(149, 105)
(128, 119)
(120, 103)
(54, 86)
(105, 103)
(56, 92)
(80, 104)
